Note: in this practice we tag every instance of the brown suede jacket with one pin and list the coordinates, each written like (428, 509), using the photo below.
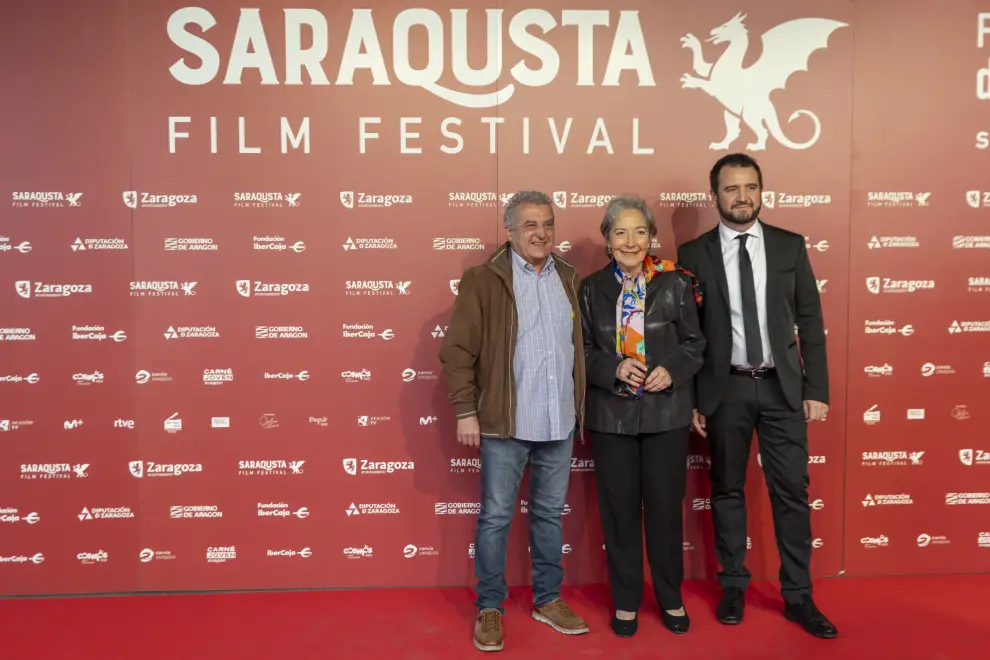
(479, 346)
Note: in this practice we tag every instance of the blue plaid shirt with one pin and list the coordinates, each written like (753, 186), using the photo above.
(544, 359)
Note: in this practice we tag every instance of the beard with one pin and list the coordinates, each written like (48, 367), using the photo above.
(739, 215)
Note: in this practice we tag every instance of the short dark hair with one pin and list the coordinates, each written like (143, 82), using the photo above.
(733, 160)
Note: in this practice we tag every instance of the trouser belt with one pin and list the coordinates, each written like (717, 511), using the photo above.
(763, 372)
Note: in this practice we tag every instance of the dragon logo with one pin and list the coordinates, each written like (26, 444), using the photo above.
(745, 93)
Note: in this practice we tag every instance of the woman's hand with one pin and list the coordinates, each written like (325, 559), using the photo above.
(631, 371)
(658, 380)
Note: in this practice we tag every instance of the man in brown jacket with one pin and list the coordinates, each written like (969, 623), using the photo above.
(513, 361)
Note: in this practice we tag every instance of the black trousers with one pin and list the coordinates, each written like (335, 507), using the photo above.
(759, 404)
(642, 477)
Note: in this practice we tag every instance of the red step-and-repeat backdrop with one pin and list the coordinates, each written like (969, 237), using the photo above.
(234, 237)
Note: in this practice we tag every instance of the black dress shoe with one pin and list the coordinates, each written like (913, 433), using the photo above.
(676, 624)
(811, 619)
(730, 608)
(624, 628)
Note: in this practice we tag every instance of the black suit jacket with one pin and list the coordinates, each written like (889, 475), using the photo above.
(792, 303)
(673, 341)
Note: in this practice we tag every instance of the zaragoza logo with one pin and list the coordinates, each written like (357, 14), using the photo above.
(745, 93)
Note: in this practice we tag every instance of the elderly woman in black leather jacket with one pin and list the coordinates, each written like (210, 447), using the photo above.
(642, 347)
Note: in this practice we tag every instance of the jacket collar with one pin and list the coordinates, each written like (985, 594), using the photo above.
(610, 287)
(771, 251)
(501, 262)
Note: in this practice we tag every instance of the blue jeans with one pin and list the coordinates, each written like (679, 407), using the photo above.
(502, 463)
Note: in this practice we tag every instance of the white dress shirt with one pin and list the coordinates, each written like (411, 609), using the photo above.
(730, 257)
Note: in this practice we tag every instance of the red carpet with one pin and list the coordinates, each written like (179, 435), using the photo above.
(941, 618)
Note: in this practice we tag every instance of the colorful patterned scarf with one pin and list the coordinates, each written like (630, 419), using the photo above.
(630, 310)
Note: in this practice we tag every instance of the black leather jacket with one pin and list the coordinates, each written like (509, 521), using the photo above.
(673, 341)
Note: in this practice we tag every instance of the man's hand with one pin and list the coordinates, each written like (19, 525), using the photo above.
(698, 424)
(469, 431)
(658, 380)
(631, 371)
(815, 411)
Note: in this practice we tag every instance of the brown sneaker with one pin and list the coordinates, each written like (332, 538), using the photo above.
(559, 616)
(488, 631)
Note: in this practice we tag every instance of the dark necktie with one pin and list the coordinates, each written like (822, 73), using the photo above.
(751, 320)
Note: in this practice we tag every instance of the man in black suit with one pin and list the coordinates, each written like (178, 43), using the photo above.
(758, 285)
